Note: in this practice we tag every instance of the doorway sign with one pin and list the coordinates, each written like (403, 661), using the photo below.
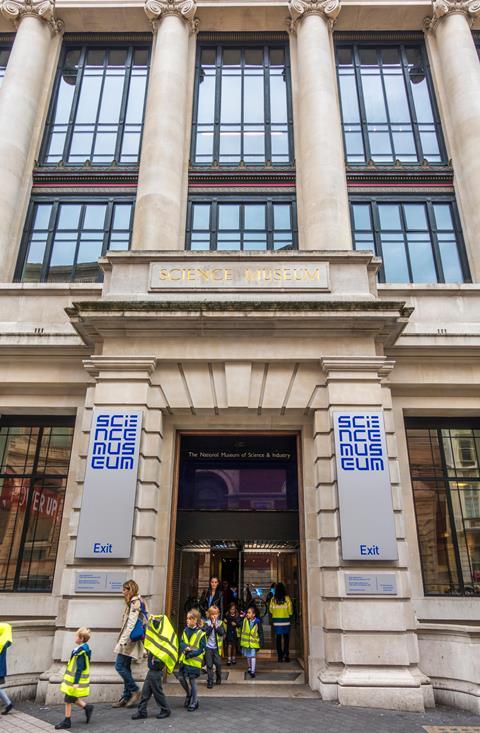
(106, 516)
(364, 488)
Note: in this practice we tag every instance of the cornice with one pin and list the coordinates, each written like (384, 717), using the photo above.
(379, 365)
(16, 10)
(183, 9)
(327, 9)
(470, 9)
(85, 175)
(133, 364)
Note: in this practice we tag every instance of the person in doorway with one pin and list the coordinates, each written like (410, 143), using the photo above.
(234, 627)
(192, 652)
(251, 639)
(128, 648)
(227, 594)
(269, 597)
(5, 643)
(281, 611)
(76, 680)
(212, 596)
(215, 632)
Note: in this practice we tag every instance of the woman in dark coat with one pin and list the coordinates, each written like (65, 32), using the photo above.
(212, 596)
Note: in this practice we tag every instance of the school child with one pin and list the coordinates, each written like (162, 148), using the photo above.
(234, 627)
(76, 680)
(215, 632)
(161, 643)
(5, 642)
(192, 652)
(251, 638)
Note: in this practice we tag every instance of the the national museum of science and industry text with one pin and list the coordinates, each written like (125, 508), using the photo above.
(240, 331)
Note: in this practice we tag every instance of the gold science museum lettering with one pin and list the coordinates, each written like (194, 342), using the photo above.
(219, 275)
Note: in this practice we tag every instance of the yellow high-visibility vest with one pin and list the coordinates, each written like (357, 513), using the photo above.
(5, 635)
(194, 643)
(83, 685)
(162, 641)
(220, 638)
(281, 613)
(250, 638)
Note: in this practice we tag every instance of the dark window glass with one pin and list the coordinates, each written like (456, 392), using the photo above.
(238, 473)
(228, 224)
(4, 56)
(242, 110)
(98, 107)
(34, 460)
(419, 241)
(445, 472)
(65, 238)
(387, 105)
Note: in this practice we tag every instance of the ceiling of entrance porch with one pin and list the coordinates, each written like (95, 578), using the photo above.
(257, 386)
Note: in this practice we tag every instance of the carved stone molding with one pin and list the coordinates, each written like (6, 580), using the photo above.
(328, 9)
(16, 10)
(441, 8)
(184, 9)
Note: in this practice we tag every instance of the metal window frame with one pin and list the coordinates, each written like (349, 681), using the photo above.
(437, 425)
(84, 48)
(268, 199)
(40, 422)
(402, 45)
(242, 45)
(56, 201)
(428, 201)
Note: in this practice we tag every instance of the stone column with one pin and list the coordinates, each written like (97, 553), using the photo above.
(457, 71)
(21, 94)
(161, 181)
(370, 645)
(323, 200)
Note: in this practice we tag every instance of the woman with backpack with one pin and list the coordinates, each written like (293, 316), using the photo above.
(130, 643)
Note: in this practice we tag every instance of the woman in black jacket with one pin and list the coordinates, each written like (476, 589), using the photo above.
(212, 596)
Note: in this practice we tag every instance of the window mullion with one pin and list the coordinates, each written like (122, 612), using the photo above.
(377, 239)
(52, 228)
(434, 241)
(123, 106)
(218, 103)
(451, 513)
(75, 101)
(406, 242)
(361, 102)
(267, 125)
(411, 104)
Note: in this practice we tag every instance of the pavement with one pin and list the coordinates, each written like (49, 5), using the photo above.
(237, 714)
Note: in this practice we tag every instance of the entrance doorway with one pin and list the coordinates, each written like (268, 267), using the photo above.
(238, 519)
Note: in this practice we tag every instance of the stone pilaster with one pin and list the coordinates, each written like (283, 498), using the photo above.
(163, 178)
(324, 221)
(456, 71)
(370, 646)
(23, 101)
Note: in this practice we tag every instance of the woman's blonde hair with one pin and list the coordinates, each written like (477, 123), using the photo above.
(132, 588)
(213, 610)
(83, 633)
(195, 613)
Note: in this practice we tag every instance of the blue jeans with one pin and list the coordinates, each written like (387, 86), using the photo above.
(123, 667)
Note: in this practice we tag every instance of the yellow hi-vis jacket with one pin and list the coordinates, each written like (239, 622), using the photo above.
(82, 689)
(250, 638)
(194, 643)
(5, 635)
(161, 640)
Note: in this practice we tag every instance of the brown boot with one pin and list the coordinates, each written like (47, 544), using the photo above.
(120, 703)
(133, 700)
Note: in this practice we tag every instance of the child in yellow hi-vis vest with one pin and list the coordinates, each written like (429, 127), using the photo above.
(192, 653)
(251, 639)
(76, 680)
(5, 643)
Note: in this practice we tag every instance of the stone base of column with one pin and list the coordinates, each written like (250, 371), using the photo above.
(105, 684)
(369, 687)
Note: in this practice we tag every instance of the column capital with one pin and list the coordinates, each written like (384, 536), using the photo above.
(16, 10)
(184, 9)
(442, 8)
(328, 9)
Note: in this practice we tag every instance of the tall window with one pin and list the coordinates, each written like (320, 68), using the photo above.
(98, 106)
(445, 471)
(65, 237)
(419, 241)
(387, 105)
(242, 106)
(247, 224)
(34, 460)
(4, 56)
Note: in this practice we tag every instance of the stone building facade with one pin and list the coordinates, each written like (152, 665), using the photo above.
(239, 219)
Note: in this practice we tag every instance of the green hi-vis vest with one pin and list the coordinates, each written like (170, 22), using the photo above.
(83, 686)
(194, 643)
(5, 635)
(162, 641)
(249, 638)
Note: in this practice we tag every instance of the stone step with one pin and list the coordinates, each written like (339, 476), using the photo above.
(252, 688)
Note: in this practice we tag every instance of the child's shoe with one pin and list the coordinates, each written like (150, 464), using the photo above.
(139, 716)
(88, 711)
(193, 707)
(234, 661)
(209, 685)
(229, 663)
(186, 704)
(64, 725)
(7, 708)
(252, 675)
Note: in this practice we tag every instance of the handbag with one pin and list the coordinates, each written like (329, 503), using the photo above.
(138, 631)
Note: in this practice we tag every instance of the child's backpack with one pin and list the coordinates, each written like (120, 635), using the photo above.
(138, 631)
